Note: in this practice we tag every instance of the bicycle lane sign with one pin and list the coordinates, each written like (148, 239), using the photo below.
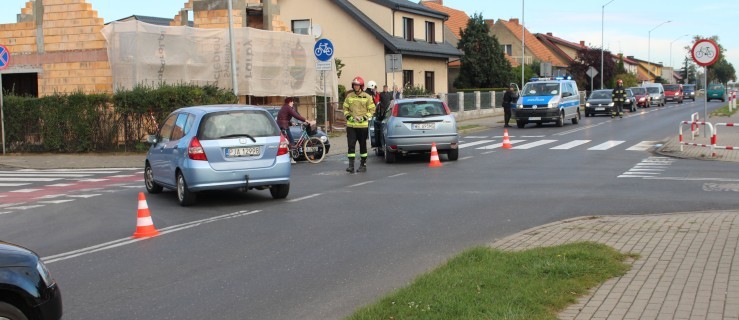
(324, 50)
(4, 57)
(705, 52)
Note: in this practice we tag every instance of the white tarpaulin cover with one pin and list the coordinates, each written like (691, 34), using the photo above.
(268, 63)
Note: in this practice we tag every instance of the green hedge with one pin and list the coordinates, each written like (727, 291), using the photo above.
(80, 122)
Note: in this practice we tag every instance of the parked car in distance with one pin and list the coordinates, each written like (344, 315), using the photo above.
(716, 91)
(656, 92)
(218, 147)
(599, 102)
(673, 92)
(689, 91)
(295, 130)
(412, 125)
(27, 290)
(630, 103)
(642, 97)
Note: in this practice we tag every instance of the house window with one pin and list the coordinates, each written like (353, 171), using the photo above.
(407, 78)
(508, 49)
(430, 32)
(301, 26)
(429, 81)
(408, 29)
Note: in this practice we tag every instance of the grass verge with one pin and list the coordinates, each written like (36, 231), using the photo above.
(484, 283)
(723, 112)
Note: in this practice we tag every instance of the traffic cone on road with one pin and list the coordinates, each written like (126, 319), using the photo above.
(506, 140)
(434, 156)
(144, 225)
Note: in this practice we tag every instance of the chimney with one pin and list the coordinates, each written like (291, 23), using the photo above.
(550, 34)
(514, 20)
(582, 43)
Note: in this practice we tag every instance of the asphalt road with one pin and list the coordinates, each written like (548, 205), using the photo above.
(340, 241)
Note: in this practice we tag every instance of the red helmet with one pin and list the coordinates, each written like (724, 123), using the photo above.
(620, 81)
(359, 81)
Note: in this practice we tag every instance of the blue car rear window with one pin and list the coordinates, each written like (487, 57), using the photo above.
(218, 125)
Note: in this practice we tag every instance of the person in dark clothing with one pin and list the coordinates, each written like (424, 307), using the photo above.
(619, 96)
(509, 99)
(385, 98)
(285, 115)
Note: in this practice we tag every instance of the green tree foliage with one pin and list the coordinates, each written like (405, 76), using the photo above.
(590, 57)
(528, 73)
(483, 64)
(629, 79)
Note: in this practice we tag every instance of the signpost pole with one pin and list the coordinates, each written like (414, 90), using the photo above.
(325, 102)
(705, 101)
(2, 113)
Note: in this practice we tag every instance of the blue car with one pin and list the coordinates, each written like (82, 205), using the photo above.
(218, 147)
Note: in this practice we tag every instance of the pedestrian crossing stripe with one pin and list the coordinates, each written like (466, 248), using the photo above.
(481, 145)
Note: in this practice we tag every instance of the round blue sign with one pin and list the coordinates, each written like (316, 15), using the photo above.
(4, 57)
(324, 50)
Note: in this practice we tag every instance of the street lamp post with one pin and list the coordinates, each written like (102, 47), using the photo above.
(602, 24)
(523, 43)
(673, 41)
(649, 47)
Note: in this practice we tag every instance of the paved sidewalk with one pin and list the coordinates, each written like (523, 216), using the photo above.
(688, 266)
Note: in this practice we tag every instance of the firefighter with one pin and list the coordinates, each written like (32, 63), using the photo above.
(619, 96)
(358, 109)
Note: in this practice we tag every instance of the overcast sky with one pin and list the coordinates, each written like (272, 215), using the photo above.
(626, 30)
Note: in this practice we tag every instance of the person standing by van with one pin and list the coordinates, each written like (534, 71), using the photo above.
(619, 96)
(509, 99)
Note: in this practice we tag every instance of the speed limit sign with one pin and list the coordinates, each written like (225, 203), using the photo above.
(705, 52)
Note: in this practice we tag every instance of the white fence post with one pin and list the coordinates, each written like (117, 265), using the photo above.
(477, 102)
(492, 100)
(460, 105)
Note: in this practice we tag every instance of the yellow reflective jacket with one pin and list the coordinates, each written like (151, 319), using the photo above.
(358, 105)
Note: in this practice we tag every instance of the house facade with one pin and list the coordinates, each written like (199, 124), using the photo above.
(364, 31)
(509, 36)
(453, 28)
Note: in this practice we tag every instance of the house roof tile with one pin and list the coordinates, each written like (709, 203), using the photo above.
(458, 19)
(538, 50)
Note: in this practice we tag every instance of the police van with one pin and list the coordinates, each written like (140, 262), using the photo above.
(545, 100)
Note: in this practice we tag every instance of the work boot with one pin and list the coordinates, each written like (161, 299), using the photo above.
(362, 165)
(350, 169)
(620, 114)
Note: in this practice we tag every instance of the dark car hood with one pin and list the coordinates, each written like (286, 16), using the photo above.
(15, 256)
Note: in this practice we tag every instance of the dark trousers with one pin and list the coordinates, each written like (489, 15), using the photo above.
(618, 108)
(354, 135)
(378, 134)
(507, 112)
(289, 135)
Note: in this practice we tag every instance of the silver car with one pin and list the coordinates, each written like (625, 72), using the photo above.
(412, 125)
(218, 147)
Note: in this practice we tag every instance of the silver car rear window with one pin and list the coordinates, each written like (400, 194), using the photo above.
(219, 125)
(420, 109)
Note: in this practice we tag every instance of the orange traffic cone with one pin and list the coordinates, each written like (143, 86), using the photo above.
(434, 156)
(144, 225)
(506, 140)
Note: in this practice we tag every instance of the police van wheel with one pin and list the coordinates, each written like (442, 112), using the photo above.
(520, 124)
(561, 119)
(576, 119)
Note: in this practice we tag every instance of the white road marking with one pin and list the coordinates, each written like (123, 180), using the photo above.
(360, 184)
(465, 158)
(26, 207)
(607, 145)
(26, 190)
(122, 176)
(470, 144)
(30, 179)
(51, 196)
(397, 175)
(56, 201)
(85, 196)
(693, 179)
(129, 240)
(91, 180)
(498, 145)
(60, 185)
(533, 144)
(642, 146)
(49, 175)
(13, 184)
(475, 137)
(303, 198)
(578, 129)
(530, 136)
(570, 145)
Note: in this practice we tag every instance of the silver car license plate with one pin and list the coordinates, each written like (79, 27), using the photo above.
(242, 152)
(534, 118)
(423, 126)
(600, 109)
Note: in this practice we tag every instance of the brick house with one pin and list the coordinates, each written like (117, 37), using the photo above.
(508, 33)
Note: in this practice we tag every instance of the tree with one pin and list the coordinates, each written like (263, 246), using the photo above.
(528, 73)
(629, 79)
(586, 58)
(483, 64)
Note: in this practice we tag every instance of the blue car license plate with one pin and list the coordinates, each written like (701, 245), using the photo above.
(423, 126)
(242, 152)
